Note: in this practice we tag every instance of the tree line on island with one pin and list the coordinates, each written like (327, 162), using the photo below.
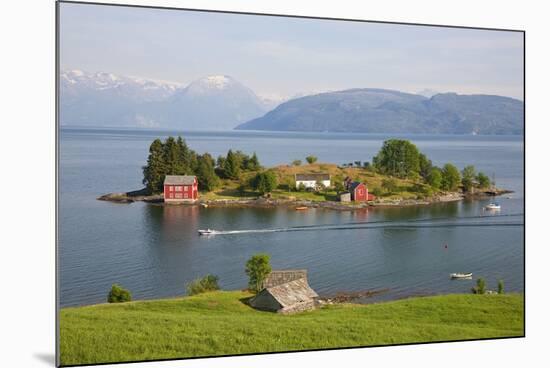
(396, 159)
(402, 159)
(174, 157)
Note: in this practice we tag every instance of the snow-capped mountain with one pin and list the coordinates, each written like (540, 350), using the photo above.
(129, 87)
(106, 99)
(427, 92)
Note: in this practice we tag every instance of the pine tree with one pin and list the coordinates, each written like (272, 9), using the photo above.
(253, 163)
(184, 156)
(155, 170)
(231, 166)
(172, 157)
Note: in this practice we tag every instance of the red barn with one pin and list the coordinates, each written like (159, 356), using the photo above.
(359, 191)
(180, 188)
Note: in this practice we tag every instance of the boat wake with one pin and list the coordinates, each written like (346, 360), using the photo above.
(465, 221)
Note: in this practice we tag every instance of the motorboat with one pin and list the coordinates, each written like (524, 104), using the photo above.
(206, 232)
(459, 275)
(493, 206)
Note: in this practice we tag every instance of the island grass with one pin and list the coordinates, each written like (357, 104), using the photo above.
(219, 323)
(228, 189)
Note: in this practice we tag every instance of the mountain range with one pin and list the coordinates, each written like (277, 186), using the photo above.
(369, 110)
(216, 102)
(219, 102)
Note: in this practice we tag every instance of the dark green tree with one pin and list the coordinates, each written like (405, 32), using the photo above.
(500, 286)
(311, 159)
(483, 180)
(172, 158)
(220, 162)
(185, 156)
(435, 178)
(296, 162)
(425, 166)
(206, 176)
(155, 170)
(253, 164)
(468, 178)
(264, 182)
(232, 166)
(450, 177)
(257, 269)
(399, 158)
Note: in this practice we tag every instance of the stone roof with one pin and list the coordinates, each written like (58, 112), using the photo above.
(179, 179)
(277, 277)
(310, 177)
(292, 292)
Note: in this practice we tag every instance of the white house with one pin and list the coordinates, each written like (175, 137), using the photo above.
(312, 180)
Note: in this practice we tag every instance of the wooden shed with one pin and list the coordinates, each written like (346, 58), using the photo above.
(290, 297)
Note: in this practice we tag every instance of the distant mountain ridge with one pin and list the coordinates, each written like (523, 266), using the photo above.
(371, 110)
(217, 102)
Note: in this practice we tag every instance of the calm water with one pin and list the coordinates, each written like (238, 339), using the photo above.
(154, 250)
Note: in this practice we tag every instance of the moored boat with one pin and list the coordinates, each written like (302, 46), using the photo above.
(302, 208)
(493, 206)
(460, 275)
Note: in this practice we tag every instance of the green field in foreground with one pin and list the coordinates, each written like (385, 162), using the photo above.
(218, 323)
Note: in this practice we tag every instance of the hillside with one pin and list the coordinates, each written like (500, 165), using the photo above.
(392, 112)
(220, 323)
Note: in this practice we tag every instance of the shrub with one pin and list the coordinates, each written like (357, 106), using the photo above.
(483, 180)
(118, 294)
(257, 269)
(377, 191)
(264, 182)
(480, 287)
(500, 289)
(202, 285)
(296, 162)
(390, 185)
(311, 159)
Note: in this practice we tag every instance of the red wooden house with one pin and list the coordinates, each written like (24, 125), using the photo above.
(180, 188)
(358, 191)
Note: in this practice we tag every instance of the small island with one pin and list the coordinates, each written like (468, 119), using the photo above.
(399, 175)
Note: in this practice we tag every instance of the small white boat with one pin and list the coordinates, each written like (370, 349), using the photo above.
(493, 206)
(459, 275)
(207, 232)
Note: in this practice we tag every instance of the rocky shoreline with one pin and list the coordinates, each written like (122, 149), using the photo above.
(263, 202)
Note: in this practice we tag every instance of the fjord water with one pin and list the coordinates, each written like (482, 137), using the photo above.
(155, 250)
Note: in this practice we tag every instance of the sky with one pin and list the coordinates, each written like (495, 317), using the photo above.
(282, 57)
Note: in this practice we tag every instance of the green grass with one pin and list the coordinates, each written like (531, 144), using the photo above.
(218, 323)
(228, 189)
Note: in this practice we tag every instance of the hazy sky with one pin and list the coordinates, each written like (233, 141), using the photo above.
(286, 56)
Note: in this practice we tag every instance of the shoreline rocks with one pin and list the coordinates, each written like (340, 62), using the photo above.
(263, 202)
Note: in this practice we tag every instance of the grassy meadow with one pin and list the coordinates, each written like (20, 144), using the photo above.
(220, 323)
(405, 188)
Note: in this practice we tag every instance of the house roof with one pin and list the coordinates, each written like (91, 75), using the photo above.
(292, 292)
(179, 179)
(309, 177)
(277, 277)
(354, 185)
